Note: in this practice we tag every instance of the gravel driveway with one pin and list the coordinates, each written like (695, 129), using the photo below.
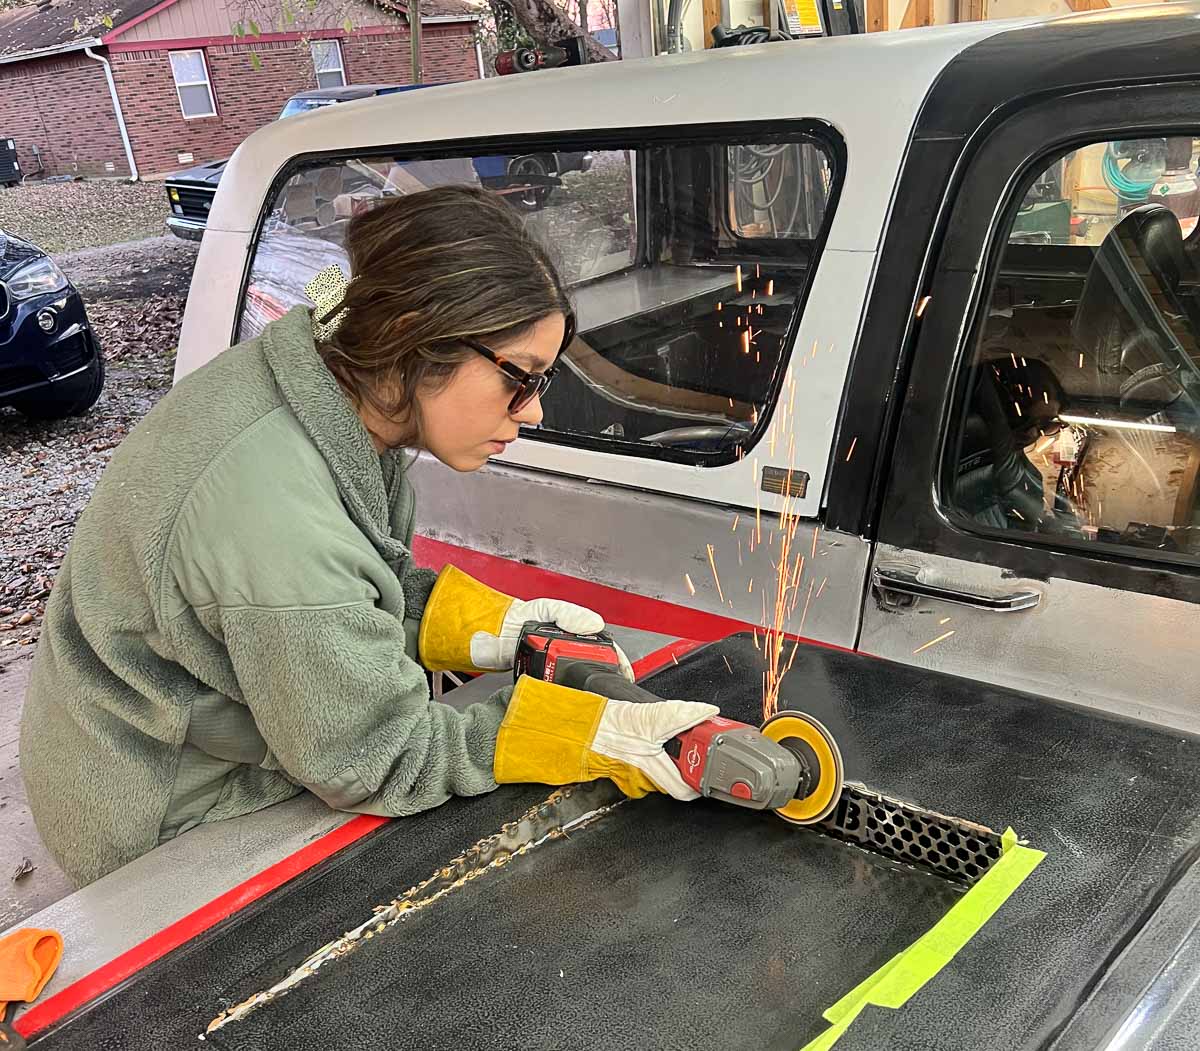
(135, 294)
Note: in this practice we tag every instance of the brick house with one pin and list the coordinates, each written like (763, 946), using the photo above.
(175, 82)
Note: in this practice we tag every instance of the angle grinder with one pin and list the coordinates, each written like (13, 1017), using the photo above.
(792, 765)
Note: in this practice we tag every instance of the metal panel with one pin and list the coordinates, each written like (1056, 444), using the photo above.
(1115, 650)
(640, 542)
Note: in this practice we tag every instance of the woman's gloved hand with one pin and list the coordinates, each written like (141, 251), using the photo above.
(467, 626)
(554, 735)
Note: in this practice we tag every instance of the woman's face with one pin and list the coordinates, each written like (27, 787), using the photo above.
(467, 420)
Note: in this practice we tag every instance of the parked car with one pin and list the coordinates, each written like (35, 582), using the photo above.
(531, 178)
(50, 360)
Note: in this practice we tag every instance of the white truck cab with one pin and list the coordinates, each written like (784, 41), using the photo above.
(949, 324)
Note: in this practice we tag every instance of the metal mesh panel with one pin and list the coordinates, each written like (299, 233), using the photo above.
(959, 850)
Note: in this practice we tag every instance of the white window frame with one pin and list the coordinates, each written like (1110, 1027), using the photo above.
(207, 82)
(341, 66)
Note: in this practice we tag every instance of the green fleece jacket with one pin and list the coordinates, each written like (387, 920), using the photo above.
(236, 621)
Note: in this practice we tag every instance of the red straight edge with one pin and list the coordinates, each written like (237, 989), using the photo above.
(159, 944)
(613, 604)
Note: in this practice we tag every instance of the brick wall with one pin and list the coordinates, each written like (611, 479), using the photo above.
(448, 54)
(247, 98)
(62, 106)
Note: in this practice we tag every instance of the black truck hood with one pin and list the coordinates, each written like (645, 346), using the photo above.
(202, 175)
(15, 253)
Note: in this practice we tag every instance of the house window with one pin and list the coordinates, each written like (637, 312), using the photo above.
(327, 58)
(192, 84)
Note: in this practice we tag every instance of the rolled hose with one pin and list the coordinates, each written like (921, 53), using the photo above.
(1116, 180)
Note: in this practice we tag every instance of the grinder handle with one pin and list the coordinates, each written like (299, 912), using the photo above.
(602, 679)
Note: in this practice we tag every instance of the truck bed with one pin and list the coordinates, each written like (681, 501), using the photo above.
(660, 925)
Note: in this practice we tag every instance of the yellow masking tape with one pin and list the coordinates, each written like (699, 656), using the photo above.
(904, 974)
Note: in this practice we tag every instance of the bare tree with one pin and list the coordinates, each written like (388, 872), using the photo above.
(545, 23)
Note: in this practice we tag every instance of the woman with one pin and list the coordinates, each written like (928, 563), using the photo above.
(238, 618)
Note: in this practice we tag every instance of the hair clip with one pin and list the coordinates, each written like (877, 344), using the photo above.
(327, 291)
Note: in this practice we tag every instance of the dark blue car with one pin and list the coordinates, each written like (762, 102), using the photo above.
(50, 360)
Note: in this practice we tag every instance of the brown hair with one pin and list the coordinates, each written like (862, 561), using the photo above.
(428, 270)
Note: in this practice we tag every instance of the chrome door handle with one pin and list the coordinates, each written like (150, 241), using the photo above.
(900, 579)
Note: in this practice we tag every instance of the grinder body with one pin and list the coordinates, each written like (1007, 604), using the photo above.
(719, 758)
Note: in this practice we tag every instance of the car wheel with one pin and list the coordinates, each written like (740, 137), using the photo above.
(535, 197)
(71, 398)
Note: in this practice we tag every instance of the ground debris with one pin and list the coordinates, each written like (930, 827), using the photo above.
(23, 869)
(134, 295)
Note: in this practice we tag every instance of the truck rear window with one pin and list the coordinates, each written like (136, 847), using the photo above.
(688, 263)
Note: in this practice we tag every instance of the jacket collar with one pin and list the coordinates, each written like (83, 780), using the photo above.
(329, 419)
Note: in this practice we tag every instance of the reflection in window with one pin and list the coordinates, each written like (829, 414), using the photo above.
(1081, 416)
(687, 265)
(1080, 197)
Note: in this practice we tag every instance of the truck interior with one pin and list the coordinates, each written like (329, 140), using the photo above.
(1080, 410)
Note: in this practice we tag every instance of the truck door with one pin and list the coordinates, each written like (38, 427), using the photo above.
(1041, 524)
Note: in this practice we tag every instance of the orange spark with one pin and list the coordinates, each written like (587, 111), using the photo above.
(933, 642)
(713, 566)
(771, 287)
(738, 275)
(690, 586)
(853, 443)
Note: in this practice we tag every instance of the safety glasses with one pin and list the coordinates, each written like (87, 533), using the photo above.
(530, 385)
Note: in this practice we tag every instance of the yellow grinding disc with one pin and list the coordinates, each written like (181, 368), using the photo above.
(825, 786)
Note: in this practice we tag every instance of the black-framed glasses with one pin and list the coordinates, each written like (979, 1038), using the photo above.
(530, 385)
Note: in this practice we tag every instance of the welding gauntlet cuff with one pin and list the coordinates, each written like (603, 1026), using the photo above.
(470, 627)
(554, 735)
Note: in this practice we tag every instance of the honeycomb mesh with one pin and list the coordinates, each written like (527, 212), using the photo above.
(959, 850)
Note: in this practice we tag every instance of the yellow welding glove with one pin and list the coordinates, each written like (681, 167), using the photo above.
(469, 627)
(554, 735)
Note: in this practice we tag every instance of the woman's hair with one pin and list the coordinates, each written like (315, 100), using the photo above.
(428, 270)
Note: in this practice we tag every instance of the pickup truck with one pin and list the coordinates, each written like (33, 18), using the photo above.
(886, 343)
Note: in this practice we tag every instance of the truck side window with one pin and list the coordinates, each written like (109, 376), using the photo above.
(688, 264)
(1078, 415)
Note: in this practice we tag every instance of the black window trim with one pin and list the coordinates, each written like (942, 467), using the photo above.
(628, 138)
(913, 514)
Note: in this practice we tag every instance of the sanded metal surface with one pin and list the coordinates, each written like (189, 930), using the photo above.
(702, 926)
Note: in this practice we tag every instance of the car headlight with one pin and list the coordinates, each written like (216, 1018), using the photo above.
(173, 194)
(35, 279)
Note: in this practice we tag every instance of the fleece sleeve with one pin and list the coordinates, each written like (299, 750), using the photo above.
(347, 713)
(312, 624)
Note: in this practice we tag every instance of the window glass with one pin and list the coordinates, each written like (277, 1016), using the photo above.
(1081, 412)
(1081, 196)
(191, 83)
(302, 105)
(687, 265)
(327, 59)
